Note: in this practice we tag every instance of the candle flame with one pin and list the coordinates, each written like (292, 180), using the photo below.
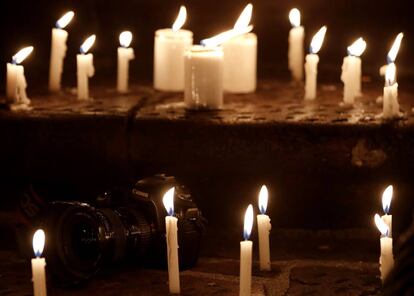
(381, 225)
(392, 54)
(168, 201)
(294, 17)
(180, 20)
(248, 222)
(386, 199)
(317, 40)
(22, 54)
(244, 19)
(390, 74)
(263, 198)
(38, 242)
(87, 44)
(125, 38)
(65, 20)
(357, 48)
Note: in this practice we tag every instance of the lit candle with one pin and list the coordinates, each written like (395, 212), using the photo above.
(240, 57)
(85, 68)
(264, 227)
(246, 247)
(16, 81)
(351, 71)
(391, 107)
(169, 48)
(58, 51)
(125, 54)
(38, 264)
(311, 65)
(386, 204)
(392, 54)
(296, 39)
(172, 242)
(386, 260)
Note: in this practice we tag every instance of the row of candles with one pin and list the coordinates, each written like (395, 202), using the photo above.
(225, 62)
(384, 224)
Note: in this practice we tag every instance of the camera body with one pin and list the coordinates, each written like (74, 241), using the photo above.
(121, 226)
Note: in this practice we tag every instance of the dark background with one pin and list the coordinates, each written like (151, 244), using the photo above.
(26, 22)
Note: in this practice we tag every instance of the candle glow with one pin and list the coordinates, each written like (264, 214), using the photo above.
(386, 199)
(65, 20)
(317, 40)
(248, 222)
(381, 225)
(357, 48)
(87, 44)
(294, 17)
(180, 20)
(168, 201)
(392, 54)
(22, 54)
(125, 38)
(38, 242)
(390, 74)
(263, 198)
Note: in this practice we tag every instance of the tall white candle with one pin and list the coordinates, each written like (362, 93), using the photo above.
(391, 107)
(58, 51)
(38, 265)
(172, 243)
(240, 57)
(85, 68)
(16, 81)
(386, 204)
(204, 77)
(169, 48)
(311, 64)
(125, 54)
(386, 260)
(296, 51)
(392, 54)
(246, 248)
(264, 227)
(351, 71)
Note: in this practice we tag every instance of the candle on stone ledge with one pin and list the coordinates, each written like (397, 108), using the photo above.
(38, 265)
(351, 71)
(125, 54)
(392, 54)
(386, 204)
(85, 68)
(172, 243)
(246, 248)
(391, 107)
(169, 48)
(295, 52)
(240, 57)
(311, 64)
(16, 81)
(264, 227)
(58, 51)
(386, 259)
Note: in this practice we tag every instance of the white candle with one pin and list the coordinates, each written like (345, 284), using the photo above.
(38, 265)
(85, 68)
(264, 227)
(386, 204)
(311, 64)
(392, 54)
(169, 48)
(125, 54)
(386, 260)
(351, 71)
(16, 81)
(204, 77)
(58, 51)
(246, 247)
(391, 107)
(240, 57)
(172, 243)
(296, 39)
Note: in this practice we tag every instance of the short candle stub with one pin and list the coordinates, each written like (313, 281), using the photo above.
(248, 223)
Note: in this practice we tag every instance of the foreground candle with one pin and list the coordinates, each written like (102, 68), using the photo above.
(311, 65)
(38, 264)
(169, 48)
(296, 39)
(264, 227)
(172, 243)
(16, 81)
(351, 71)
(391, 107)
(85, 68)
(240, 57)
(392, 54)
(58, 51)
(386, 204)
(246, 248)
(125, 54)
(386, 260)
